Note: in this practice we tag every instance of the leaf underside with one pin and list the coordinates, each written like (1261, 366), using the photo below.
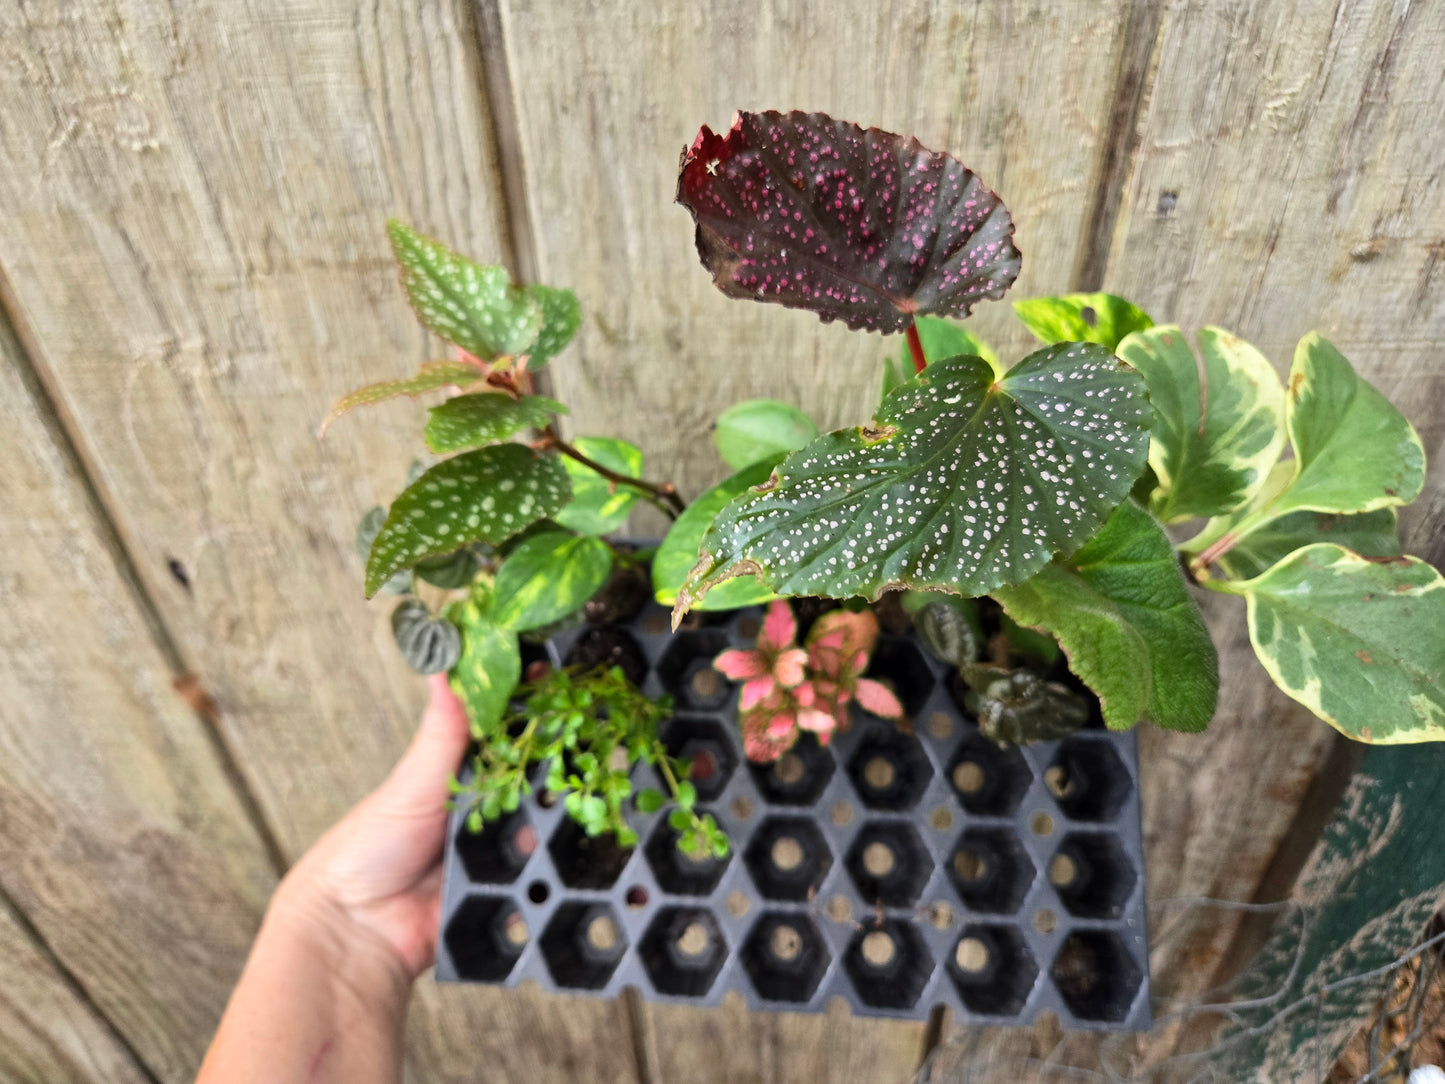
(429, 377)
(1359, 641)
(470, 421)
(482, 496)
(963, 483)
(866, 227)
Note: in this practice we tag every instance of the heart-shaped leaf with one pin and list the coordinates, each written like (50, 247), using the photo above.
(679, 550)
(758, 429)
(1085, 318)
(561, 317)
(1359, 641)
(1213, 444)
(866, 227)
(1370, 534)
(547, 577)
(450, 571)
(430, 645)
(963, 483)
(470, 421)
(474, 306)
(1121, 611)
(482, 496)
(598, 505)
(431, 376)
(490, 666)
(1354, 451)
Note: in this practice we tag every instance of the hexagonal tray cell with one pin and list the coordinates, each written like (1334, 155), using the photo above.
(990, 871)
(1096, 976)
(585, 861)
(683, 950)
(1088, 780)
(899, 663)
(889, 863)
(705, 743)
(989, 780)
(682, 874)
(888, 964)
(785, 956)
(788, 858)
(608, 645)
(992, 969)
(889, 769)
(583, 944)
(1092, 875)
(798, 777)
(497, 854)
(686, 672)
(485, 937)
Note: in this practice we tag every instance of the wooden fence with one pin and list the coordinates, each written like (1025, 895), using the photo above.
(193, 265)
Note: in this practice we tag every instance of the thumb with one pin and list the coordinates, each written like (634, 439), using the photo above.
(418, 783)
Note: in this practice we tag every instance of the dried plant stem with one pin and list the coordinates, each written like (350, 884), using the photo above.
(661, 494)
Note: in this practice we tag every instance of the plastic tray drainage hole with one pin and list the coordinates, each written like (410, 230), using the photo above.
(602, 933)
(637, 897)
(969, 777)
(879, 949)
(878, 859)
(785, 943)
(514, 929)
(538, 891)
(840, 909)
(940, 914)
(970, 865)
(940, 726)
(1044, 920)
(1063, 871)
(789, 769)
(842, 813)
(738, 904)
(971, 955)
(787, 853)
(941, 819)
(1042, 824)
(1059, 782)
(694, 941)
(879, 773)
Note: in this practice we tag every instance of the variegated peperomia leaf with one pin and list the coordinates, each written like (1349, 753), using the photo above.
(482, 496)
(490, 666)
(962, 483)
(1370, 534)
(547, 577)
(561, 317)
(1214, 442)
(1086, 318)
(1125, 619)
(1359, 641)
(470, 421)
(431, 376)
(474, 306)
(866, 227)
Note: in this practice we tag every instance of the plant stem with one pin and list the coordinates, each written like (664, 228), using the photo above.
(915, 347)
(663, 495)
(1215, 551)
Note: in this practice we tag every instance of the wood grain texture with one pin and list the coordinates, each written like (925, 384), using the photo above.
(48, 1033)
(121, 838)
(194, 227)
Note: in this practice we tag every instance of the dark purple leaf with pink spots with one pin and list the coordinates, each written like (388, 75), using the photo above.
(866, 227)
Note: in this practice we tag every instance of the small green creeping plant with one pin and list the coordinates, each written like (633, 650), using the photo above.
(1046, 485)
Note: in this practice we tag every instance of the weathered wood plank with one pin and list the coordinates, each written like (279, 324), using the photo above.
(48, 1033)
(121, 837)
(194, 210)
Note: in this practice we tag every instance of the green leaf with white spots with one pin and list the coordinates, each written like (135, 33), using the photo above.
(1370, 534)
(490, 666)
(470, 421)
(547, 577)
(474, 306)
(679, 550)
(1121, 611)
(964, 482)
(431, 376)
(482, 496)
(1359, 641)
(598, 506)
(758, 429)
(1084, 318)
(561, 317)
(1214, 441)
(1354, 452)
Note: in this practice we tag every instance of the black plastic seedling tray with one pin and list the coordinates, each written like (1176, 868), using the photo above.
(896, 871)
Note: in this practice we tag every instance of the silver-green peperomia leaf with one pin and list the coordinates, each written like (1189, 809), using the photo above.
(547, 577)
(1087, 318)
(947, 633)
(1370, 534)
(471, 421)
(561, 317)
(431, 376)
(1214, 442)
(490, 666)
(450, 571)
(1359, 641)
(482, 496)
(963, 483)
(758, 429)
(1016, 707)
(474, 306)
(679, 550)
(430, 645)
(1125, 619)
(598, 505)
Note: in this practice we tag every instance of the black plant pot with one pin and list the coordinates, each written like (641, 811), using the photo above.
(897, 871)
